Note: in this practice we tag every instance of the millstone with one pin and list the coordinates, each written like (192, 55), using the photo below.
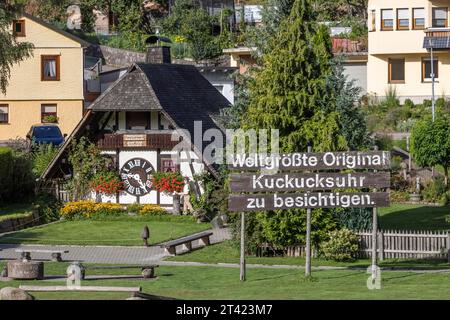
(9, 293)
(18, 269)
(148, 273)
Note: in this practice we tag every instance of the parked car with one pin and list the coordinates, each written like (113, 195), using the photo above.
(45, 134)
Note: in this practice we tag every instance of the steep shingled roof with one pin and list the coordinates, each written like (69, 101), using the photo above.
(179, 91)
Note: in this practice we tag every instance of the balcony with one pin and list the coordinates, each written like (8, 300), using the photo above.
(437, 38)
(148, 141)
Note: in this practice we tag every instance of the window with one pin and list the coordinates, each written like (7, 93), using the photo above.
(19, 28)
(387, 20)
(48, 113)
(169, 165)
(137, 120)
(49, 68)
(373, 21)
(440, 17)
(402, 19)
(396, 70)
(4, 113)
(426, 69)
(418, 18)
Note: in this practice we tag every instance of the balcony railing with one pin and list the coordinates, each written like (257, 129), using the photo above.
(437, 38)
(146, 141)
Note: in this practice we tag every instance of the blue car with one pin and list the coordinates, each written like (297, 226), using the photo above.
(45, 134)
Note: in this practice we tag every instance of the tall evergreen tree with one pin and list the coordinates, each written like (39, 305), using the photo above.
(11, 51)
(290, 88)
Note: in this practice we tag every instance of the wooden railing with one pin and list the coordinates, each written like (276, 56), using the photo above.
(151, 141)
(437, 33)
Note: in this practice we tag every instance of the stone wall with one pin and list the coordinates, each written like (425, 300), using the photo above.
(15, 224)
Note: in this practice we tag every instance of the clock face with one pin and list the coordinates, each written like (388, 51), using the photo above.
(136, 175)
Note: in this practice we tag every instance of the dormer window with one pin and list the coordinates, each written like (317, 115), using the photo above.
(19, 28)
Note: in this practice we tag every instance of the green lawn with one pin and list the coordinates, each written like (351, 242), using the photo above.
(226, 252)
(124, 232)
(414, 217)
(16, 210)
(262, 284)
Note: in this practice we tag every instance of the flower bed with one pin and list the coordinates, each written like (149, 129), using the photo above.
(89, 209)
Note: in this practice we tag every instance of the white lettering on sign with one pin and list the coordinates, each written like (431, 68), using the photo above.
(263, 182)
(311, 161)
(320, 200)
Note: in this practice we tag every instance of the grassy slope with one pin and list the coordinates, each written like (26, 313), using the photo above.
(17, 210)
(414, 217)
(122, 232)
(223, 283)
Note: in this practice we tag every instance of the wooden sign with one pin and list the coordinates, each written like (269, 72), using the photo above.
(379, 160)
(249, 182)
(263, 202)
(135, 140)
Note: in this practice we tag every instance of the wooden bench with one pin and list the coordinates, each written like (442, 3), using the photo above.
(147, 271)
(186, 242)
(25, 254)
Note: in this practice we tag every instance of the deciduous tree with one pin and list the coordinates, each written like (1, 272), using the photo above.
(11, 50)
(430, 143)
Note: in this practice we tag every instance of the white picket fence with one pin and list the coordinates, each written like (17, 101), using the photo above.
(391, 244)
(400, 244)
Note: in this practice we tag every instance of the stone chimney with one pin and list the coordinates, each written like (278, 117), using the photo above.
(158, 54)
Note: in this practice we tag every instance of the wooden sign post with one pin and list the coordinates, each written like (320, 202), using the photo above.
(279, 182)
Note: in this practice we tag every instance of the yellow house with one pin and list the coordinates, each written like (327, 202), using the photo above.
(400, 35)
(50, 83)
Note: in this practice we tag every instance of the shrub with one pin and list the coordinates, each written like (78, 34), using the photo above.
(398, 183)
(90, 210)
(152, 210)
(409, 103)
(434, 190)
(16, 175)
(384, 143)
(48, 207)
(354, 218)
(342, 246)
(399, 196)
(42, 158)
(396, 163)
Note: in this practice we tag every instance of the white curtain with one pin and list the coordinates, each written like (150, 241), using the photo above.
(419, 13)
(50, 68)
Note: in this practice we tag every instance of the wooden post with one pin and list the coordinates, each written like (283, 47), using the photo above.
(242, 262)
(374, 237)
(308, 239)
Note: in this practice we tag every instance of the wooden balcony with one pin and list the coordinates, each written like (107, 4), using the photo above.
(143, 141)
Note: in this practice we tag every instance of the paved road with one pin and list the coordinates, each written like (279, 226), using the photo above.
(105, 254)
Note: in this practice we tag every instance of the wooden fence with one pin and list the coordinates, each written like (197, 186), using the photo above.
(405, 244)
(391, 244)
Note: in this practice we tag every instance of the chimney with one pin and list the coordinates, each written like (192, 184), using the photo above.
(158, 54)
